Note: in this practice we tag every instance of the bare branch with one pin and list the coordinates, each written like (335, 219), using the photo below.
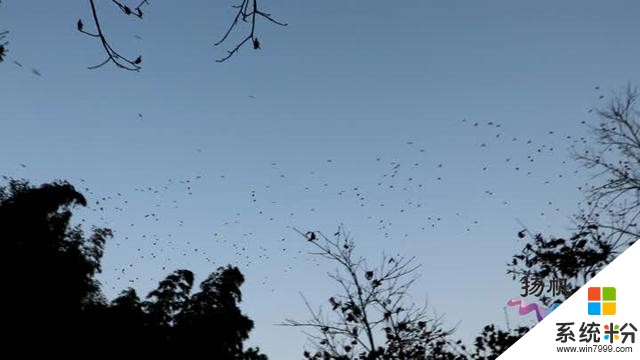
(112, 55)
(373, 305)
(615, 162)
(246, 9)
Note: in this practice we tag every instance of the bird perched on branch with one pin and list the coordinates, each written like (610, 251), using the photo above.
(310, 235)
(368, 275)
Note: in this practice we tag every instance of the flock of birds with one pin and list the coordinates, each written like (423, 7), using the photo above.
(152, 222)
(33, 70)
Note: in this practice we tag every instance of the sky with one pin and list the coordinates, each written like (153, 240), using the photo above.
(169, 157)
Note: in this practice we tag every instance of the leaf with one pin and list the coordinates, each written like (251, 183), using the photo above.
(80, 25)
(138, 60)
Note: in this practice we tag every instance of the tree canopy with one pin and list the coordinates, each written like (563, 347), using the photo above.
(55, 305)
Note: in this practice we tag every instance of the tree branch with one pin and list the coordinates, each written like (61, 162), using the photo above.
(112, 55)
(246, 9)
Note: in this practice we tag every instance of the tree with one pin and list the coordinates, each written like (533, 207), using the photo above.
(573, 261)
(3, 45)
(609, 224)
(371, 318)
(174, 322)
(492, 342)
(49, 266)
(613, 196)
(210, 320)
(54, 305)
(603, 230)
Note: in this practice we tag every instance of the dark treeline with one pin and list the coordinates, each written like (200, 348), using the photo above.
(53, 304)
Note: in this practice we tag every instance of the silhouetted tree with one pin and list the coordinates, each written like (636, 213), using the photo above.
(3, 45)
(54, 305)
(371, 317)
(49, 267)
(609, 225)
(571, 262)
(210, 320)
(613, 194)
(604, 229)
(492, 342)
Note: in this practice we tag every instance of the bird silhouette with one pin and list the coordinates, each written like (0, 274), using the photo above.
(311, 236)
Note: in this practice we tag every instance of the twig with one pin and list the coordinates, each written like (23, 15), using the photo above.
(112, 55)
(246, 9)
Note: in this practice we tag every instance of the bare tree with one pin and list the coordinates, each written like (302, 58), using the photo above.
(613, 194)
(608, 223)
(371, 317)
(603, 229)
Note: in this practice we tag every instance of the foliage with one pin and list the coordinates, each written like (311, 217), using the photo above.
(492, 342)
(604, 229)
(55, 306)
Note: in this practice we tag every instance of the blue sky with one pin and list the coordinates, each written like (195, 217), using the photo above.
(349, 82)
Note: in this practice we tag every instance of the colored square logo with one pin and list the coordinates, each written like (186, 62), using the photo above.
(594, 308)
(602, 300)
(608, 294)
(609, 308)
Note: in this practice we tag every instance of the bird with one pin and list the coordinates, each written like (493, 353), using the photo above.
(311, 236)
(368, 275)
